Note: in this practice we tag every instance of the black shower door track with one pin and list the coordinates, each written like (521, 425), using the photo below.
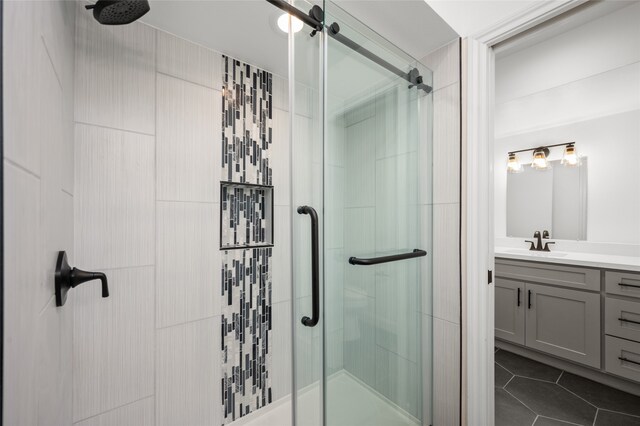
(413, 77)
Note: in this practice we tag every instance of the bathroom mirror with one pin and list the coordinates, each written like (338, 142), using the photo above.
(554, 199)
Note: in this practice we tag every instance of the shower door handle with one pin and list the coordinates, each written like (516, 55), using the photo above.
(315, 268)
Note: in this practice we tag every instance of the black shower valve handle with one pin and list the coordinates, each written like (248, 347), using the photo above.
(78, 276)
(67, 278)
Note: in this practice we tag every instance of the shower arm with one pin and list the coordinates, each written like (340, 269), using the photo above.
(314, 19)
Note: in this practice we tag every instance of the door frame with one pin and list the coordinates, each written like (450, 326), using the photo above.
(478, 62)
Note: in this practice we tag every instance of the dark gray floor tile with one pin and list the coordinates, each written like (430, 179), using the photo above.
(550, 400)
(609, 418)
(502, 376)
(545, 421)
(510, 412)
(600, 395)
(521, 366)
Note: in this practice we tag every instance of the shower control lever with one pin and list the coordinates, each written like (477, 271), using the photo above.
(315, 268)
(67, 278)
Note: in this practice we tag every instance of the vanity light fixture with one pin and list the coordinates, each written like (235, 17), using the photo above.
(540, 159)
(513, 165)
(283, 23)
(570, 157)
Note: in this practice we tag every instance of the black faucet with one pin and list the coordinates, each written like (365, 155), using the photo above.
(537, 246)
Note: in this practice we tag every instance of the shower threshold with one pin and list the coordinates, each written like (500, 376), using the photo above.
(352, 403)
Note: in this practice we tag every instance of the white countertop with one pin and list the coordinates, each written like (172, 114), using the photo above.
(592, 260)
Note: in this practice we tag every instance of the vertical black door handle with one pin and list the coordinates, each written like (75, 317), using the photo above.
(529, 299)
(518, 296)
(315, 268)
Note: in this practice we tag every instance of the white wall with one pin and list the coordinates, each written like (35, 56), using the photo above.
(584, 86)
(38, 80)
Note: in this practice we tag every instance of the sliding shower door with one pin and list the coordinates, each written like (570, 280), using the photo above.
(361, 165)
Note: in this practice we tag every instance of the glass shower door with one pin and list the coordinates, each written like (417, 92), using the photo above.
(362, 161)
(377, 367)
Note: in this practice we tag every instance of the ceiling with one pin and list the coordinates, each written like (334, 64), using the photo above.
(246, 29)
(468, 17)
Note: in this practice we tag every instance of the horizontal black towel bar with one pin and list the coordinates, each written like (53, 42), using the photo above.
(385, 259)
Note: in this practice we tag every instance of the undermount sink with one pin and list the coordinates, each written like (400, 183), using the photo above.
(537, 253)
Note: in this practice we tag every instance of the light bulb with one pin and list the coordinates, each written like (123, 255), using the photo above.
(513, 165)
(540, 159)
(283, 23)
(570, 157)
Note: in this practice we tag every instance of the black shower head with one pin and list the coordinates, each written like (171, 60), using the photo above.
(118, 12)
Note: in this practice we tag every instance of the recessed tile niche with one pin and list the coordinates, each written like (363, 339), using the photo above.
(246, 219)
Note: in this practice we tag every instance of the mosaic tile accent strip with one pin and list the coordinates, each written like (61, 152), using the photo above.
(247, 215)
(246, 275)
(246, 344)
(246, 123)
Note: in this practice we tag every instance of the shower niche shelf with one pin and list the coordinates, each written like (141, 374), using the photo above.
(246, 216)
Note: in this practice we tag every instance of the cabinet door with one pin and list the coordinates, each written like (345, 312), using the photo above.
(564, 322)
(509, 310)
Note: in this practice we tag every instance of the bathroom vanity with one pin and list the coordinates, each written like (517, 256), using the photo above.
(577, 311)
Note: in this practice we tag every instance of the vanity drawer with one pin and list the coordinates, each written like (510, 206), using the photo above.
(622, 318)
(543, 273)
(622, 283)
(627, 367)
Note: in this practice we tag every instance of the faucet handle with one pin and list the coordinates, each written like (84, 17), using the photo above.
(533, 245)
(546, 245)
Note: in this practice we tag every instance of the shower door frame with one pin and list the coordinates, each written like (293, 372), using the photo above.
(478, 76)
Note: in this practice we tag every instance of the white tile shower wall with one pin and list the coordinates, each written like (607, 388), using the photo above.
(445, 218)
(38, 188)
(115, 74)
(113, 342)
(148, 128)
(188, 157)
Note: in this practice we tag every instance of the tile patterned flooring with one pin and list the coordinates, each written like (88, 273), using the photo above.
(529, 393)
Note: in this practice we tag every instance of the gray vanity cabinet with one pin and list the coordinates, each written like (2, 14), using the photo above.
(558, 311)
(564, 322)
(510, 310)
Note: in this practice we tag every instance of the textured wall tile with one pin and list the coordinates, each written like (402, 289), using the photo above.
(55, 363)
(23, 287)
(114, 203)
(446, 145)
(446, 373)
(188, 61)
(361, 159)
(446, 262)
(280, 158)
(187, 374)
(445, 64)
(188, 141)
(399, 380)
(139, 413)
(281, 260)
(113, 342)
(281, 356)
(398, 308)
(360, 242)
(359, 336)
(187, 275)
(115, 74)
